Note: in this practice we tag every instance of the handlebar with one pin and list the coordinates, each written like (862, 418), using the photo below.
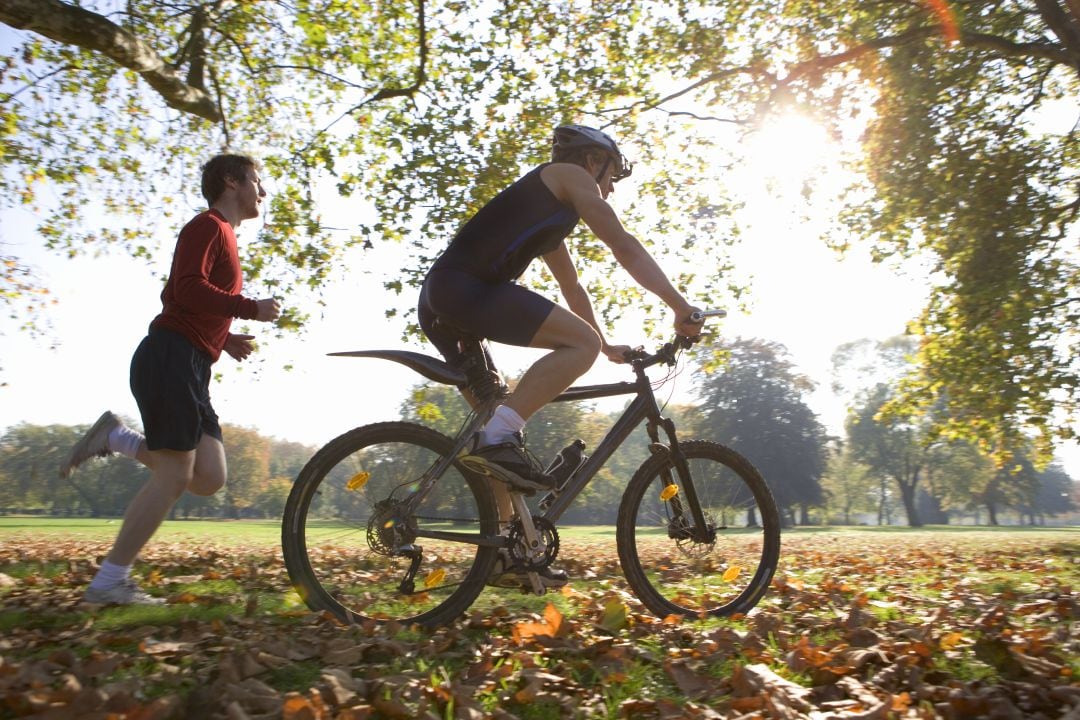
(699, 315)
(666, 354)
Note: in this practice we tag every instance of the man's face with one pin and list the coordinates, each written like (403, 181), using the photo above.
(604, 181)
(250, 193)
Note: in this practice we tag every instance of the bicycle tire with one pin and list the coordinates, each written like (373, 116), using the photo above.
(339, 544)
(672, 575)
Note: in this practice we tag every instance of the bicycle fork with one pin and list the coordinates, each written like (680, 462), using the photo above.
(699, 530)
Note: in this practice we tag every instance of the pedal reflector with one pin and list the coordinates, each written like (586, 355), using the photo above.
(358, 480)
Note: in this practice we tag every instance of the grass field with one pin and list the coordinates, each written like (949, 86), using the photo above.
(942, 622)
(260, 532)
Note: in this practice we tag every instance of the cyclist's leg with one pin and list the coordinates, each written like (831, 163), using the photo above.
(508, 313)
(575, 347)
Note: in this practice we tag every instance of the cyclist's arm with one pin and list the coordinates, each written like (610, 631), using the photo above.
(577, 298)
(574, 186)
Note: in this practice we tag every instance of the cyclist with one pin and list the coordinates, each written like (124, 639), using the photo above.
(471, 289)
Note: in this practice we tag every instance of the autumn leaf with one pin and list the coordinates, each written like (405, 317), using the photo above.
(550, 626)
(614, 617)
(885, 651)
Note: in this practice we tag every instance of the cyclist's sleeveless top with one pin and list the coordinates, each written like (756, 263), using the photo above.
(519, 224)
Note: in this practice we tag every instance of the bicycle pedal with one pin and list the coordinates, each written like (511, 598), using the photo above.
(659, 448)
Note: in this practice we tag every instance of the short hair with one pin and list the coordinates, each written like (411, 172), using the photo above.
(219, 167)
(579, 155)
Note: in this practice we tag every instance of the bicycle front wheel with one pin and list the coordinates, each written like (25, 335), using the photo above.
(362, 539)
(675, 573)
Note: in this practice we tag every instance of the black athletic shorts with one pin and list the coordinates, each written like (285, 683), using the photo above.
(170, 380)
(501, 311)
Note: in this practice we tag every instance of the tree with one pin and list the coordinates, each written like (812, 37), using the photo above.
(755, 405)
(378, 101)
(892, 448)
(248, 456)
(848, 486)
(957, 474)
(30, 456)
(287, 458)
(1054, 495)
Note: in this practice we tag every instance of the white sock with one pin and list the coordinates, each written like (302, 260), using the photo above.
(502, 425)
(125, 441)
(110, 575)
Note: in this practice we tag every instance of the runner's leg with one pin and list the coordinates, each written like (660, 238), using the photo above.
(170, 474)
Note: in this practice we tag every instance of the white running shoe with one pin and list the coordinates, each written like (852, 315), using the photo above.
(95, 443)
(127, 592)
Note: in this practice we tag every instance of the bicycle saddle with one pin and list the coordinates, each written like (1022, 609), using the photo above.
(429, 367)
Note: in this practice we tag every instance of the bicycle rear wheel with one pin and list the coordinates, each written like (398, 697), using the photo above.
(674, 574)
(351, 541)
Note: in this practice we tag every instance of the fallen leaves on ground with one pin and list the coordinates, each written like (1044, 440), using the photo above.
(897, 626)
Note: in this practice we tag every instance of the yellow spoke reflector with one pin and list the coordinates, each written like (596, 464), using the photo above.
(358, 480)
(669, 492)
(435, 577)
(731, 573)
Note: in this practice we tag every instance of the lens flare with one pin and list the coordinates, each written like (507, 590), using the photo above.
(946, 17)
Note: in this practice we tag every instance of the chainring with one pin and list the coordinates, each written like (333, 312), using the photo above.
(519, 550)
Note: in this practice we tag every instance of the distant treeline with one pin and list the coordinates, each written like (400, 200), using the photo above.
(882, 471)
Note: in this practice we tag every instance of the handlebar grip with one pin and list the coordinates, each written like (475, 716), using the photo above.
(699, 315)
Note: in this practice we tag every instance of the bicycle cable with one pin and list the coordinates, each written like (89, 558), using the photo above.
(673, 372)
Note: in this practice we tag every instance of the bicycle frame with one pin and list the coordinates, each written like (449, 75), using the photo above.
(643, 407)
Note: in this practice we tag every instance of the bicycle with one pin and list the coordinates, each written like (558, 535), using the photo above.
(697, 530)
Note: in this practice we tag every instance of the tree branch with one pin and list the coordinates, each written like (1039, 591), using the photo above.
(1003, 46)
(386, 93)
(819, 65)
(72, 25)
(421, 70)
(1066, 28)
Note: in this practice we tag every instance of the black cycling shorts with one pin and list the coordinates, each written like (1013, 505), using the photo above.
(501, 311)
(170, 380)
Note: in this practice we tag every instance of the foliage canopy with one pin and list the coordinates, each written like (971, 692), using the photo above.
(418, 112)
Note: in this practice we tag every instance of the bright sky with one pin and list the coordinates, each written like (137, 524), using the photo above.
(803, 296)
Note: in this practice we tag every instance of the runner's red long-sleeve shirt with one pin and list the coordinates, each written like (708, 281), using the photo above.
(202, 294)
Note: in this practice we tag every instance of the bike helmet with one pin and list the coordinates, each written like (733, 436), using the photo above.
(571, 137)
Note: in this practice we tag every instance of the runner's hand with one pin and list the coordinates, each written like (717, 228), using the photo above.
(239, 346)
(269, 309)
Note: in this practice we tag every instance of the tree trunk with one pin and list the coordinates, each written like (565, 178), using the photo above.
(907, 494)
(72, 25)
